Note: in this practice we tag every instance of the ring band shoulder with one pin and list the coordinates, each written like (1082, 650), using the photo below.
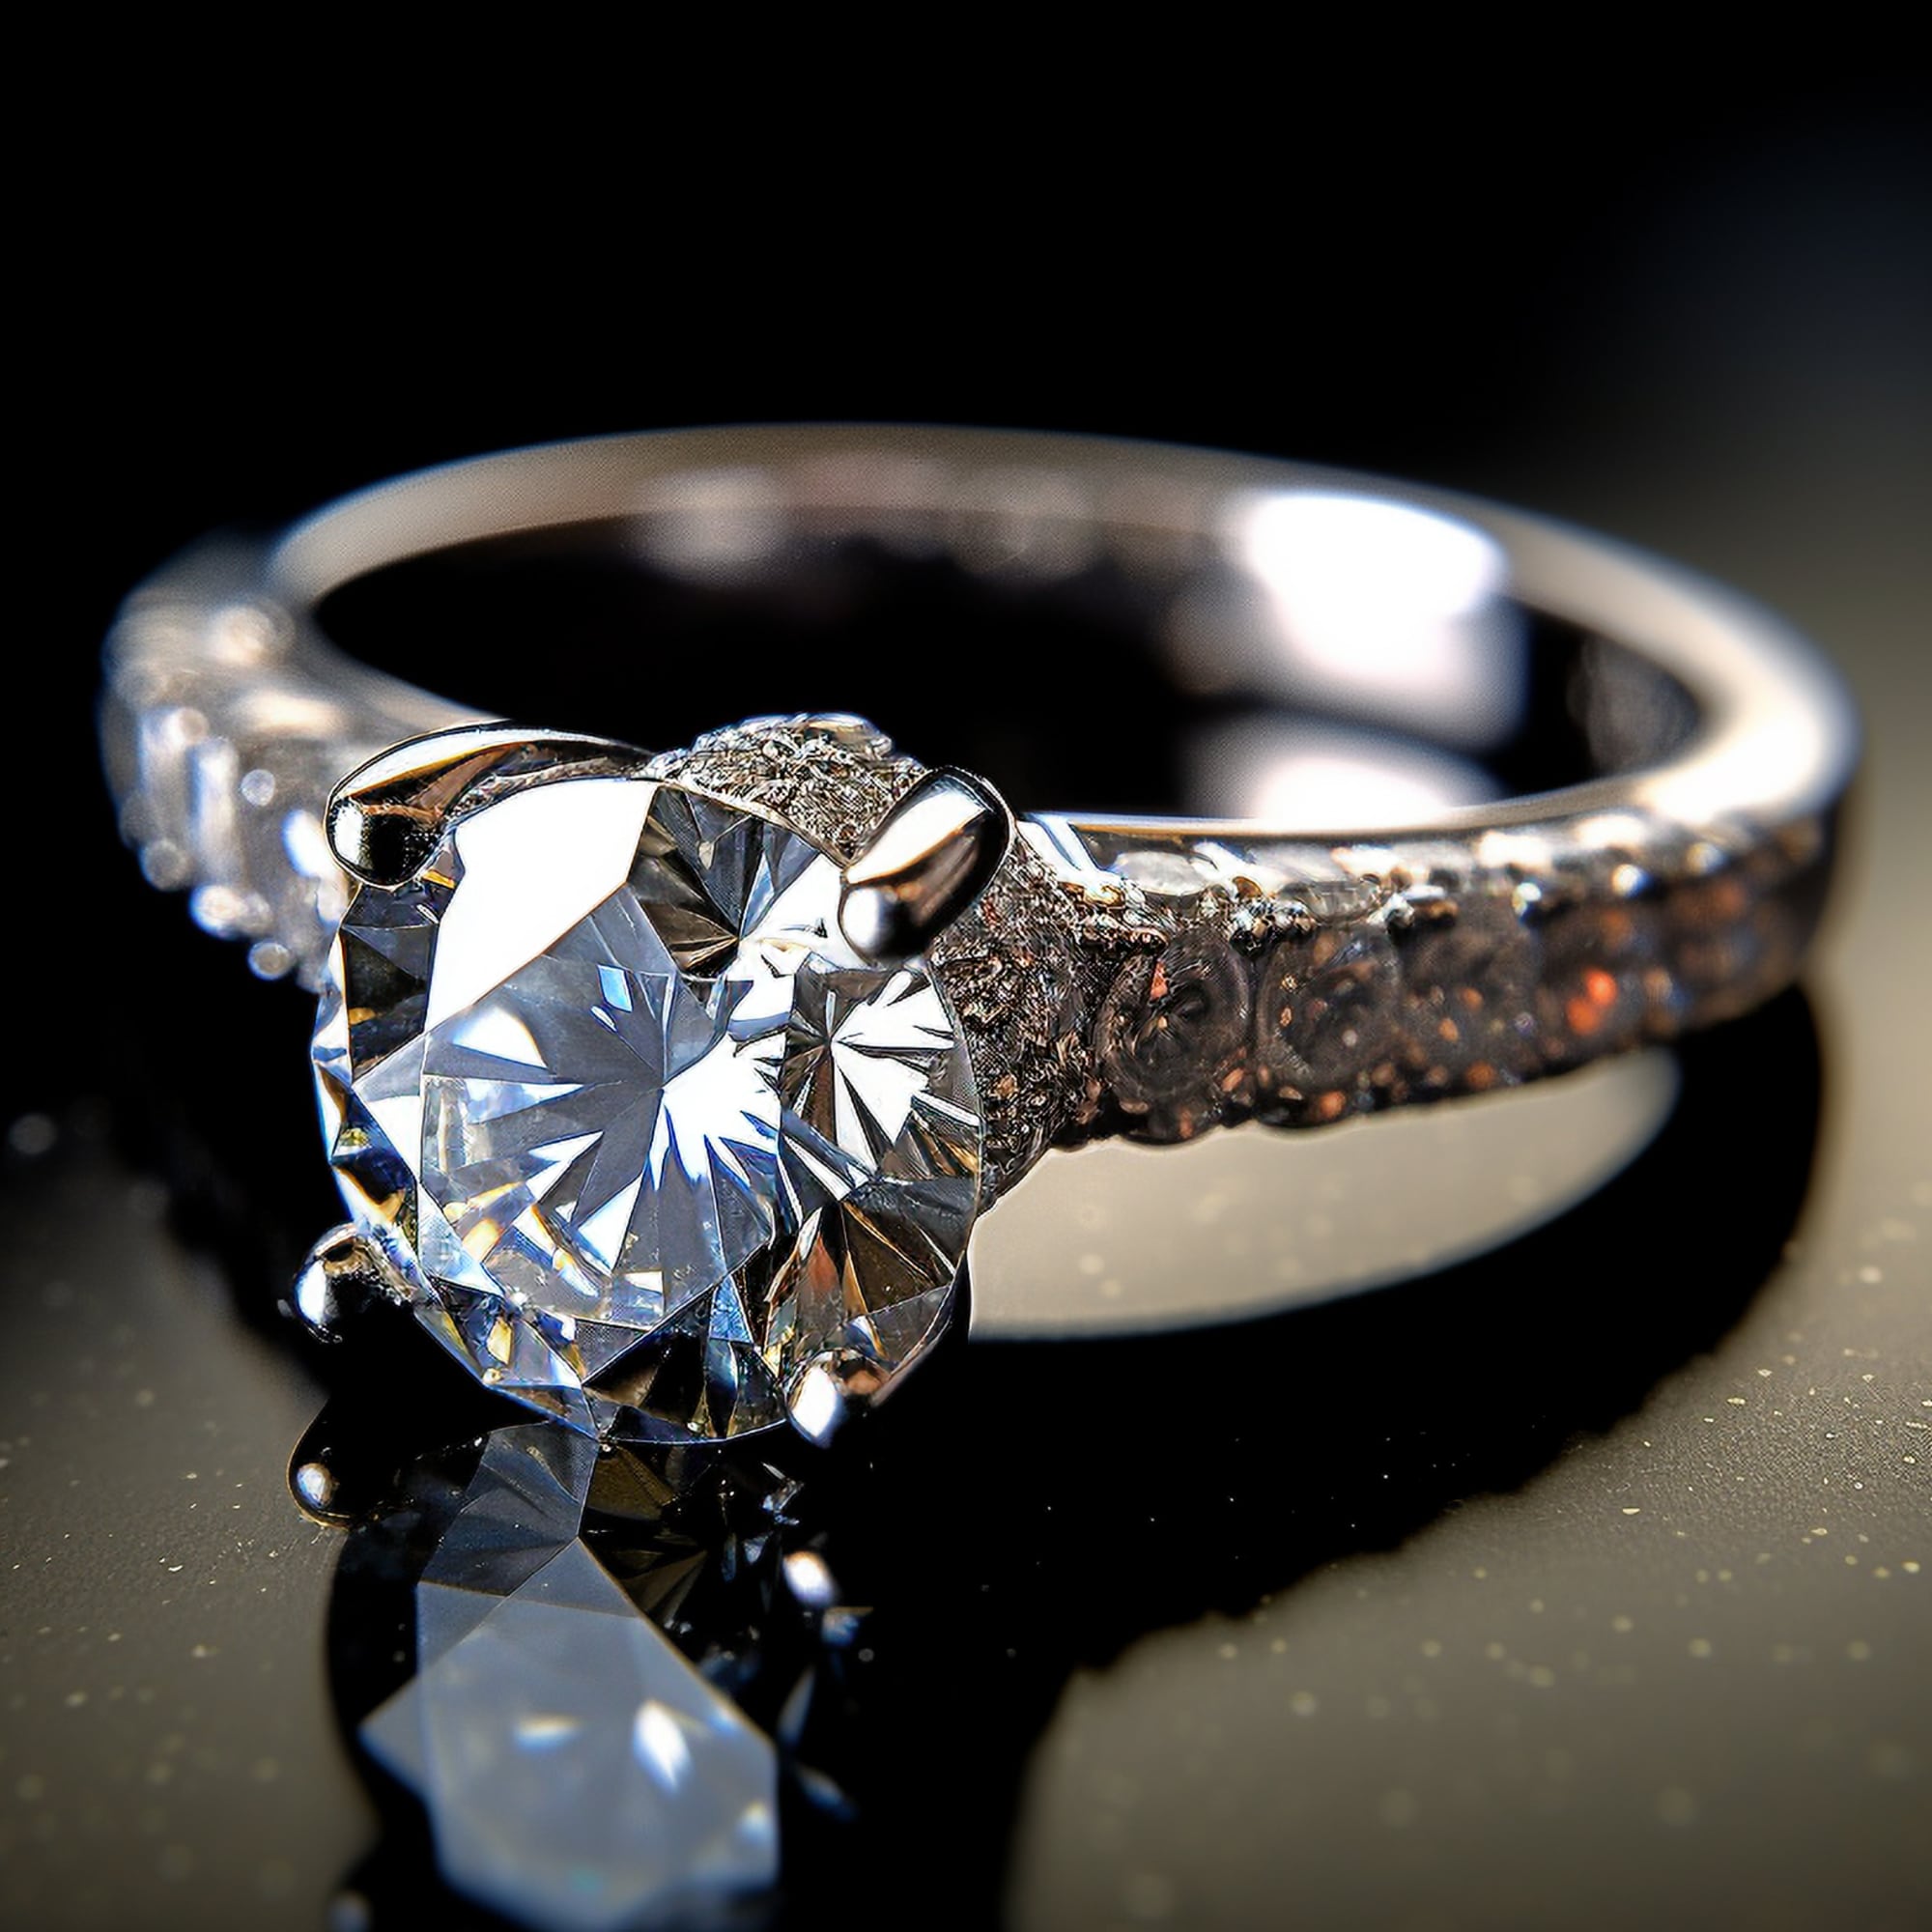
(1147, 975)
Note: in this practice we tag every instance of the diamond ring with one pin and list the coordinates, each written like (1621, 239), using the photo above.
(664, 1087)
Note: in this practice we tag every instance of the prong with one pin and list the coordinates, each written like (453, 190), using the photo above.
(929, 862)
(386, 817)
(344, 1273)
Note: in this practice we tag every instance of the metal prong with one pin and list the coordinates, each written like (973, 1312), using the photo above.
(934, 855)
(386, 817)
(344, 1273)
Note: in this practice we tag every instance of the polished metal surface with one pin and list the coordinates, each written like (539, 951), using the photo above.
(223, 656)
(934, 853)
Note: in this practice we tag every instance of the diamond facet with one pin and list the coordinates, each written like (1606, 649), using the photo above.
(653, 1149)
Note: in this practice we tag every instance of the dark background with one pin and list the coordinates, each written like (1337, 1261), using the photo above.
(1651, 1641)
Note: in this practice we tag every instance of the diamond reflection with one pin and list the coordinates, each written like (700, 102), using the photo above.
(604, 1646)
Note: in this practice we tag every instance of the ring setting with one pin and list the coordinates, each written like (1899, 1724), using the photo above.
(626, 1113)
(666, 1090)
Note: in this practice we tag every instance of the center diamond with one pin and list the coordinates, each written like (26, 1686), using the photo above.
(651, 1146)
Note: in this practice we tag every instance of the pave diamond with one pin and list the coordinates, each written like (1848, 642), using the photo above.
(652, 1147)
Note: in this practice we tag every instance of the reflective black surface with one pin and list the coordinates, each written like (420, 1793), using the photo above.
(998, 1543)
(1582, 1587)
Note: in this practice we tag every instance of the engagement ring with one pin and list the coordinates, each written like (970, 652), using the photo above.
(665, 1086)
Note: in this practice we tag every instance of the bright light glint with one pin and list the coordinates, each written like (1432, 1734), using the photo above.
(661, 1745)
(1386, 607)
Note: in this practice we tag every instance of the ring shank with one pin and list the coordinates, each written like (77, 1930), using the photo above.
(1677, 882)
(1777, 734)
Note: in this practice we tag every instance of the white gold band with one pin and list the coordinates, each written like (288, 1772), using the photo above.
(1676, 886)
